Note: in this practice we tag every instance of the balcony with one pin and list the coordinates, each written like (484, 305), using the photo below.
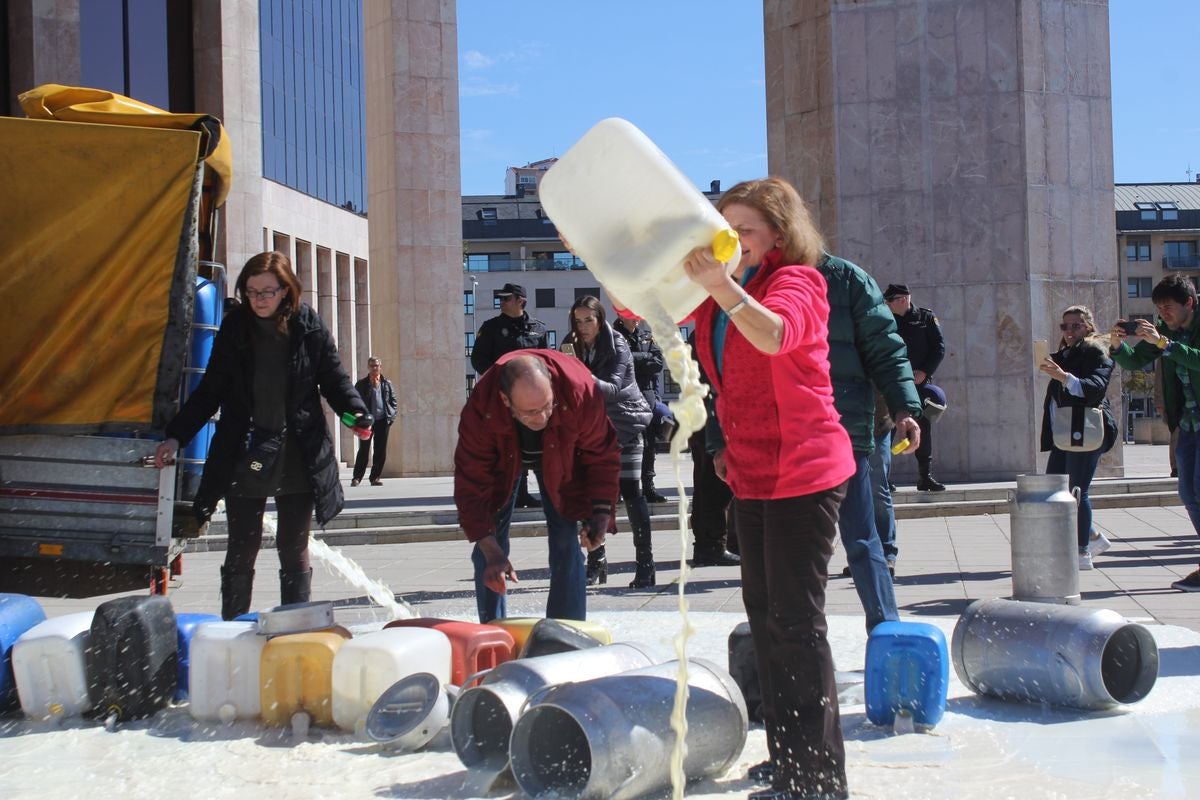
(495, 264)
(1188, 261)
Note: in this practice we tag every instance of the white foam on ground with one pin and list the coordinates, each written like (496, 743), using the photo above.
(982, 749)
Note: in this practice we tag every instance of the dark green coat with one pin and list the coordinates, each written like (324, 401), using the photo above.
(864, 349)
(1184, 354)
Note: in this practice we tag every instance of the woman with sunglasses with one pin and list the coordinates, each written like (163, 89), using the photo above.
(272, 360)
(1080, 372)
(608, 356)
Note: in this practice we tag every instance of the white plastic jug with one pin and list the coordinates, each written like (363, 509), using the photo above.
(49, 667)
(223, 677)
(366, 666)
(633, 217)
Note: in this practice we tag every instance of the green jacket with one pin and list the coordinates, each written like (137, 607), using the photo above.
(864, 348)
(1184, 353)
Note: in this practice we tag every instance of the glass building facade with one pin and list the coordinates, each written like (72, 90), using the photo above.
(139, 48)
(314, 98)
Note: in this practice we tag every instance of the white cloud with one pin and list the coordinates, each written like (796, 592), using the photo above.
(477, 87)
(473, 59)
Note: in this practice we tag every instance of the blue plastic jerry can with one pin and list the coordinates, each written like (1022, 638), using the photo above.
(908, 669)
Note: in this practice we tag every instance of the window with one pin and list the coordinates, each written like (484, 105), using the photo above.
(470, 384)
(488, 215)
(468, 302)
(552, 339)
(1170, 212)
(526, 179)
(486, 262)
(1180, 255)
(313, 98)
(543, 298)
(1137, 249)
(470, 342)
(495, 303)
(669, 384)
(584, 291)
(1149, 211)
(1139, 287)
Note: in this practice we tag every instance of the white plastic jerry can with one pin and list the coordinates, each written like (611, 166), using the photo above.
(223, 674)
(50, 668)
(365, 667)
(633, 218)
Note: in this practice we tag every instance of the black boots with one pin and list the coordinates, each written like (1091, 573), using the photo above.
(652, 495)
(644, 577)
(294, 587)
(714, 557)
(597, 567)
(236, 588)
(928, 483)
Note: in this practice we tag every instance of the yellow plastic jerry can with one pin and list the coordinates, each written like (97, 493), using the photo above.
(520, 627)
(296, 674)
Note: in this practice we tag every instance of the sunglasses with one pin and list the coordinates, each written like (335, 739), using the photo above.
(1071, 326)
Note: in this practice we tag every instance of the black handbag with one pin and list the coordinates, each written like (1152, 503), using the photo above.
(262, 451)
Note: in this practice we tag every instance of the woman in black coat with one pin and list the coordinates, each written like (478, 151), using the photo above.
(269, 360)
(608, 356)
(1080, 370)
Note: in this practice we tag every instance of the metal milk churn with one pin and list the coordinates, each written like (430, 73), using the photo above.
(1045, 550)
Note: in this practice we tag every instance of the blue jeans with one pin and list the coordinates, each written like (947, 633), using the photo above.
(1080, 468)
(1187, 456)
(880, 465)
(864, 550)
(567, 598)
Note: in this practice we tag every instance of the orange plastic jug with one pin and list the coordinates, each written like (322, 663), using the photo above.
(473, 647)
(297, 676)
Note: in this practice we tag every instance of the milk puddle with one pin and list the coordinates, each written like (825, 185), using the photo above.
(339, 564)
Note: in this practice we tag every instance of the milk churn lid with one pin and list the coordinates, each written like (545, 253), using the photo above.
(410, 713)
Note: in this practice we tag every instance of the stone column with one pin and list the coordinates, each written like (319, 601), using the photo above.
(416, 231)
(228, 85)
(44, 42)
(963, 147)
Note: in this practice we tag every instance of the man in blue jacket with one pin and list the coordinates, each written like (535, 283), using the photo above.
(865, 352)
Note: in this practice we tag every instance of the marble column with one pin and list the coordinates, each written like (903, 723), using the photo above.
(228, 85)
(415, 233)
(963, 147)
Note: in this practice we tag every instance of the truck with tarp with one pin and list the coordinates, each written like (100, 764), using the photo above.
(111, 301)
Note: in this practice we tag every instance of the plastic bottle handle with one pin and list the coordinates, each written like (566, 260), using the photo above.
(725, 245)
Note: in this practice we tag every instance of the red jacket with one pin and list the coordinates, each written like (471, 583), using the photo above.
(782, 433)
(581, 459)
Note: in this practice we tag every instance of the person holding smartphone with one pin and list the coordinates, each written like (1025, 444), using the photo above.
(1175, 340)
(1081, 369)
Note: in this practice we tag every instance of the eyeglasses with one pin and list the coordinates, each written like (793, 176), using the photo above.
(1071, 326)
(538, 413)
(268, 294)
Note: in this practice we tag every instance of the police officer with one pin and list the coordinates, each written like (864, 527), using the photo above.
(923, 335)
(647, 366)
(512, 330)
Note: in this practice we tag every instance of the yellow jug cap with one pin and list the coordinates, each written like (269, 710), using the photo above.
(724, 245)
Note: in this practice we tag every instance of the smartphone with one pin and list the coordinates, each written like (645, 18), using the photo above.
(1130, 327)
(1041, 351)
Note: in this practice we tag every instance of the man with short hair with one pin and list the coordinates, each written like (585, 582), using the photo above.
(1176, 341)
(379, 396)
(538, 410)
(512, 330)
(922, 336)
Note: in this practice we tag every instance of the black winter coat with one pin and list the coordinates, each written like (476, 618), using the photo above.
(1087, 360)
(647, 359)
(227, 385)
(612, 367)
(503, 334)
(923, 337)
(387, 392)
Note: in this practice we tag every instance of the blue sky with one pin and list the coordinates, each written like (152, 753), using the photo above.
(534, 75)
